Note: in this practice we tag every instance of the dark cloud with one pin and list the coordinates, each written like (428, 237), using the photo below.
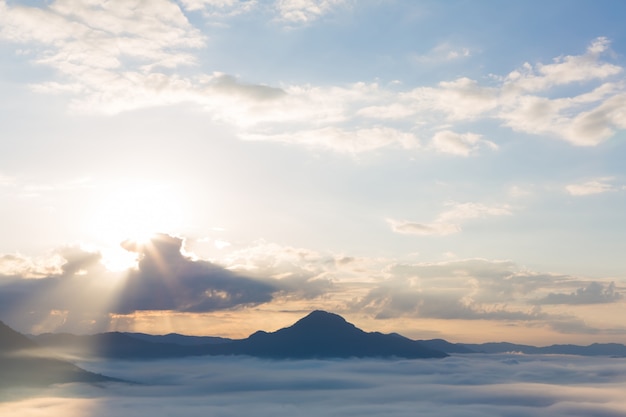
(81, 293)
(167, 280)
(593, 293)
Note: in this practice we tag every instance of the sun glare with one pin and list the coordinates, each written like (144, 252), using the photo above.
(134, 211)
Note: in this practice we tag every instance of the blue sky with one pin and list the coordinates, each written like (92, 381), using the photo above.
(432, 168)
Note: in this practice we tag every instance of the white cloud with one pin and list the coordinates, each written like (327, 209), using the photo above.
(423, 229)
(460, 144)
(597, 186)
(220, 7)
(444, 52)
(117, 56)
(564, 70)
(304, 11)
(461, 99)
(449, 221)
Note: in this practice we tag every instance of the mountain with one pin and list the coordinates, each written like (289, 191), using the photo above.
(595, 349)
(318, 335)
(113, 345)
(325, 335)
(445, 346)
(179, 339)
(23, 364)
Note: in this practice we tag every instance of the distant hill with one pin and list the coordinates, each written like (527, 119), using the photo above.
(595, 349)
(22, 364)
(114, 345)
(179, 339)
(325, 335)
(445, 346)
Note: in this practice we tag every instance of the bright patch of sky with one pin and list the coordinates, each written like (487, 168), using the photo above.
(278, 138)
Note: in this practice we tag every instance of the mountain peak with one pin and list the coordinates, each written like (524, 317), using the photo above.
(321, 322)
(322, 317)
(321, 334)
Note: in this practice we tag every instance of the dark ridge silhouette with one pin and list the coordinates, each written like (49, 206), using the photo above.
(595, 349)
(113, 345)
(445, 346)
(325, 335)
(179, 339)
(318, 335)
(22, 364)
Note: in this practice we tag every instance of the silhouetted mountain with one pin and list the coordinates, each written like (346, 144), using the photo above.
(445, 346)
(113, 345)
(22, 363)
(179, 339)
(318, 335)
(595, 349)
(325, 335)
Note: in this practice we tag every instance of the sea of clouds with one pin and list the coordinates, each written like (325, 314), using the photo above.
(465, 385)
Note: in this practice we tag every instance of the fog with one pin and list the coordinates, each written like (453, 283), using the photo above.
(468, 386)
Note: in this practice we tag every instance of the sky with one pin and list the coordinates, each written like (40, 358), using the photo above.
(465, 385)
(215, 167)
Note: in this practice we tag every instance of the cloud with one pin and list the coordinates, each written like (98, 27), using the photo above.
(78, 293)
(152, 33)
(460, 144)
(467, 290)
(397, 300)
(564, 70)
(167, 280)
(597, 186)
(460, 99)
(344, 141)
(406, 227)
(444, 52)
(291, 12)
(448, 222)
(148, 56)
(220, 8)
(463, 385)
(593, 293)
(73, 291)
(305, 11)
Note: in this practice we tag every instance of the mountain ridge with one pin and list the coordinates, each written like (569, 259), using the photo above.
(310, 329)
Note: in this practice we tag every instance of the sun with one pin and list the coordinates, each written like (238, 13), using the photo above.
(134, 211)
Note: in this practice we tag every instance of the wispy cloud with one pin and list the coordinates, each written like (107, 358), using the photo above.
(460, 144)
(596, 186)
(443, 52)
(449, 221)
(304, 11)
(220, 8)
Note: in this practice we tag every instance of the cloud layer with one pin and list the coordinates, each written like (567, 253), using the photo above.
(476, 385)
